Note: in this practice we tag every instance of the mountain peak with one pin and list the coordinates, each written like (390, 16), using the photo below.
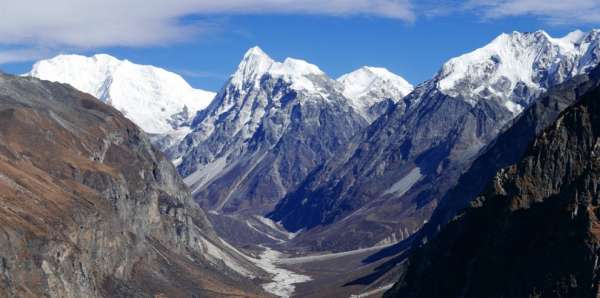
(513, 62)
(362, 80)
(292, 66)
(149, 96)
(103, 57)
(255, 51)
(257, 63)
(368, 85)
(254, 64)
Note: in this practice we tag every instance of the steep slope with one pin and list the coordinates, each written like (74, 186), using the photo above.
(89, 209)
(373, 90)
(387, 182)
(534, 231)
(158, 101)
(270, 125)
(509, 147)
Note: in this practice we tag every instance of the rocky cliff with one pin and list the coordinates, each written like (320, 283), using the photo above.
(89, 209)
(533, 232)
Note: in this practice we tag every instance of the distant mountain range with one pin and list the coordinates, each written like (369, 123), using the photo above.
(268, 127)
(384, 185)
(482, 177)
(365, 158)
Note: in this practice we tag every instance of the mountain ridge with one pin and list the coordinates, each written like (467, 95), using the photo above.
(99, 211)
(503, 244)
(391, 177)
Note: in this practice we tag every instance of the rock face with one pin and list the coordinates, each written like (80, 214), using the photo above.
(373, 90)
(508, 148)
(534, 231)
(385, 184)
(271, 125)
(158, 101)
(89, 209)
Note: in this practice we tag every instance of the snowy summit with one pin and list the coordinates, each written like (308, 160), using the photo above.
(257, 63)
(157, 100)
(367, 86)
(518, 66)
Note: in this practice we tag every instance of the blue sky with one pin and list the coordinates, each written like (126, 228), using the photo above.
(412, 42)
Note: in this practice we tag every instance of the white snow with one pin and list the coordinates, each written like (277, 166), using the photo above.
(368, 86)
(366, 79)
(570, 40)
(514, 108)
(517, 58)
(147, 95)
(406, 183)
(256, 64)
(276, 226)
(177, 161)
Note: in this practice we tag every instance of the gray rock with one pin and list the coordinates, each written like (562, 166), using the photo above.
(90, 209)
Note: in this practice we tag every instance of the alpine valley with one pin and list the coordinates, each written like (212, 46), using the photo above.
(288, 182)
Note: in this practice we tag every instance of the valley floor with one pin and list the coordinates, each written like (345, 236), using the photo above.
(325, 275)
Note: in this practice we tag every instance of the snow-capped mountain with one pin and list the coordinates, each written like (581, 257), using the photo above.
(517, 67)
(373, 89)
(158, 101)
(389, 180)
(270, 125)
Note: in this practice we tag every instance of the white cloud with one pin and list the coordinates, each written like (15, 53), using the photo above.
(98, 23)
(201, 74)
(553, 11)
(20, 55)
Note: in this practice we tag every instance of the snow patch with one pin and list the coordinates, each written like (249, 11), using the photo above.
(205, 174)
(406, 183)
(276, 226)
(514, 108)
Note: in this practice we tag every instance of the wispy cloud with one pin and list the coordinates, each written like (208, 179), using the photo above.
(29, 25)
(20, 55)
(201, 74)
(552, 11)
(98, 23)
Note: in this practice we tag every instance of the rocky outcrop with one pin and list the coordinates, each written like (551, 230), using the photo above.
(533, 232)
(89, 209)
